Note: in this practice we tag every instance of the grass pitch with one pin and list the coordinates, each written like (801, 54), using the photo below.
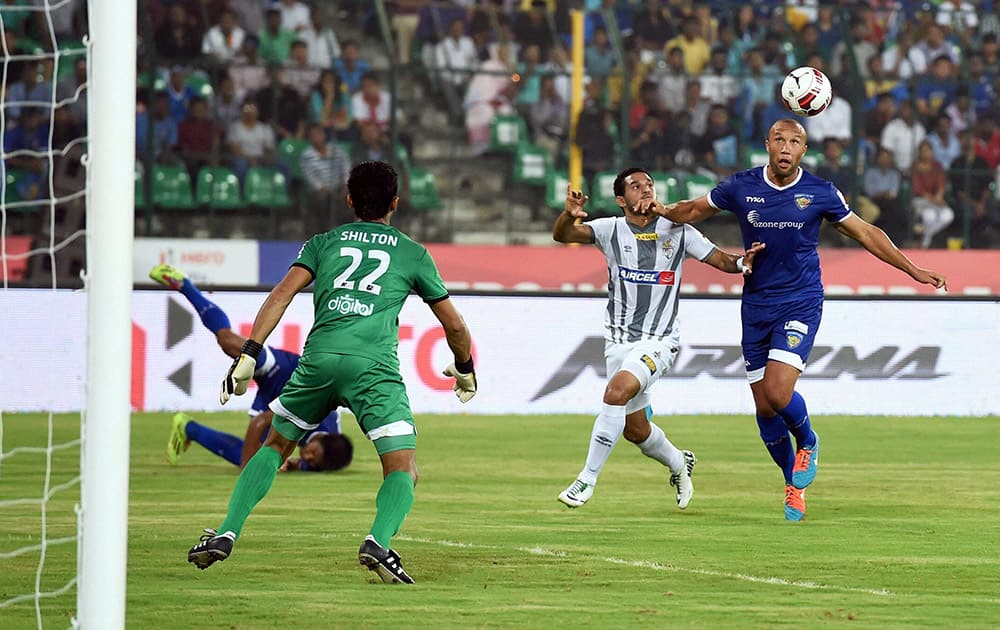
(901, 531)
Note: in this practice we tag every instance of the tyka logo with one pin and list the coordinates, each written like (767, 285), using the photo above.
(750, 199)
(725, 361)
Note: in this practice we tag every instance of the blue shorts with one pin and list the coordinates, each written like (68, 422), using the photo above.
(782, 332)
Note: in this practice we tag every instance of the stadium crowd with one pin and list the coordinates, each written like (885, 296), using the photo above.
(247, 104)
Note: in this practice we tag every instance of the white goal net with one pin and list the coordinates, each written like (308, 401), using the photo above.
(66, 215)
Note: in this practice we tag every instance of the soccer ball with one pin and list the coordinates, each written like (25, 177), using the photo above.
(806, 91)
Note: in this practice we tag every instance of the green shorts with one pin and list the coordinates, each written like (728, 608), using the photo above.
(374, 392)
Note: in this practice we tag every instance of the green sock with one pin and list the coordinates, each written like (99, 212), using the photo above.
(393, 503)
(253, 484)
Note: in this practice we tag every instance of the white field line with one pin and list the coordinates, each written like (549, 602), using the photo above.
(655, 566)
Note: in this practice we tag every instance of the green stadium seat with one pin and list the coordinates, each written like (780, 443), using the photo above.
(603, 199)
(11, 190)
(697, 185)
(555, 189)
(668, 187)
(218, 188)
(290, 153)
(507, 132)
(423, 190)
(172, 187)
(203, 85)
(531, 165)
(265, 188)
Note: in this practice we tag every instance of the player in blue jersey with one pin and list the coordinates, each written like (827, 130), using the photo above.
(783, 206)
(323, 448)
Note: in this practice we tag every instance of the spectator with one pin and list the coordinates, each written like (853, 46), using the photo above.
(196, 137)
(164, 131)
(934, 44)
(970, 184)
(988, 138)
(275, 41)
(31, 87)
(178, 40)
(881, 184)
(747, 32)
(593, 133)
(836, 168)
(672, 80)
(227, 106)
(249, 15)
(861, 49)
(549, 118)
(636, 73)
(247, 71)
(298, 73)
(405, 19)
(696, 107)
(943, 141)
(878, 80)
(937, 89)
(329, 104)
(455, 56)
(351, 67)
(649, 142)
(807, 42)
(679, 148)
(772, 112)
(529, 77)
(532, 27)
(321, 42)
(981, 82)
(281, 106)
(694, 48)
(835, 122)
(295, 16)
(778, 60)
(961, 111)
(489, 93)
(32, 134)
(325, 167)
(902, 136)
(652, 29)
(719, 87)
(876, 118)
(599, 59)
(719, 145)
(372, 146)
(250, 142)
(648, 104)
(929, 183)
(904, 60)
(224, 40)
(372, 103)
(73, 88)
(179, 93)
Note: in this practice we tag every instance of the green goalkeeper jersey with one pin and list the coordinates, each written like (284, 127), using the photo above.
(362, 273)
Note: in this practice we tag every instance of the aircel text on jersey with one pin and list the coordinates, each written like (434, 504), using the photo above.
(370, 237)
(346, 305)
(645, 276)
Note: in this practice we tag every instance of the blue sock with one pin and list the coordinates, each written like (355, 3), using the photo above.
(796, 418)
(779, 445)
(225, 445)
(213, 317)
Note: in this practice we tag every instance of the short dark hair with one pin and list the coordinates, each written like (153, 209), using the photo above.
(372, 186)
(620, 180)
(337, 451)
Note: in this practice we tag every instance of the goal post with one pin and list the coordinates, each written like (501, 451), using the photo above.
(110, 224)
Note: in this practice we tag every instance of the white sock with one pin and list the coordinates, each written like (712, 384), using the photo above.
(608, 428)
(658, 447)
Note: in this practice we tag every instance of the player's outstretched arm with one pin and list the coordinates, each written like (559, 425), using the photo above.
(875, 241)
(460, 342)
(683, 211)
(735, 263)
(566, 229)
(241, 371)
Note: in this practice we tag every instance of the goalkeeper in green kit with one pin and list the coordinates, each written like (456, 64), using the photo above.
(363, 272)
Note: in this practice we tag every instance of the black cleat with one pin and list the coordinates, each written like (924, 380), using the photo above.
(383, 561)
(212, 548)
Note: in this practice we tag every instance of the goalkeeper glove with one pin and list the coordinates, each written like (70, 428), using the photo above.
(241, 371)
(465, 379)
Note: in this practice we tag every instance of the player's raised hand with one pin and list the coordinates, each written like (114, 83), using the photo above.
(465, 383)
(749, 255)
(575, 200)
(926, 276)
(240, 372)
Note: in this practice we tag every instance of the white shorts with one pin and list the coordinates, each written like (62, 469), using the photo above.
(646, 360)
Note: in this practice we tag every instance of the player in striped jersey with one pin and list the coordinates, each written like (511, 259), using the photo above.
(642, 333)
(784, 206)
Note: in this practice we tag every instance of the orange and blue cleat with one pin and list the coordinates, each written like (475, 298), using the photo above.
(795, 503)
(806, 460)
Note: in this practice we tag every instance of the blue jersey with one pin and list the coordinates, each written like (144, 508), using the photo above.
(274, 369)
(787, 220)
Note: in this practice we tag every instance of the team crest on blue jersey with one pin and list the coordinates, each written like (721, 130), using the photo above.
(793, 339)
(803, 200)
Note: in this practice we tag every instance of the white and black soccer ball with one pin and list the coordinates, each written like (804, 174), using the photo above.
(806, 91)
